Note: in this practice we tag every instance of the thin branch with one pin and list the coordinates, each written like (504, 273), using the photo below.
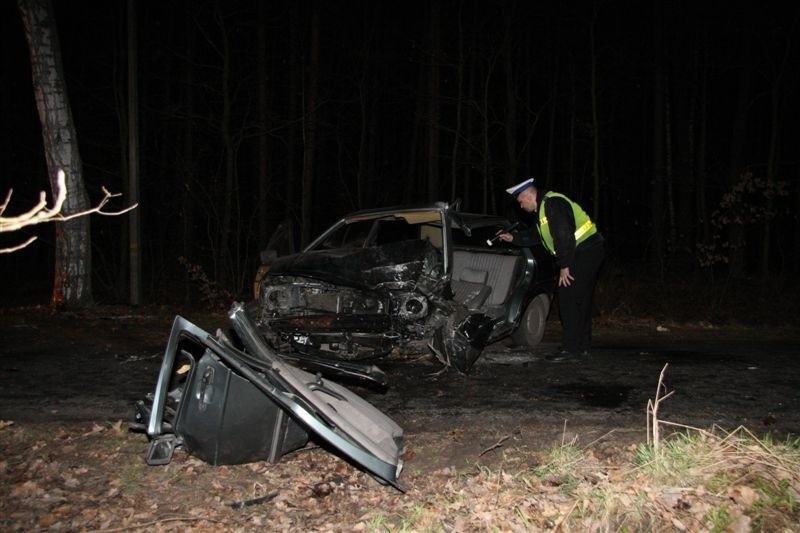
(652, 412)
(18, 247)
(39, 213)
(496, 445)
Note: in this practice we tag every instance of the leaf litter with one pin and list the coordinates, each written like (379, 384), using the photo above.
(92, 477)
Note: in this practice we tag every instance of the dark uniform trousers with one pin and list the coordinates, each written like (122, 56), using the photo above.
(575, 301)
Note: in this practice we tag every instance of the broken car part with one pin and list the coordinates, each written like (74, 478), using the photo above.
(229, 406)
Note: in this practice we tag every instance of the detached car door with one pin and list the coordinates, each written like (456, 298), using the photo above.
(217, 413)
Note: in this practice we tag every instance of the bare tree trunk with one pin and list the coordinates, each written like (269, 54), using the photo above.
(295, 88)
(187, 189)
(595, 129)
(487, 166)
(222, 271)
(134, 229)
(772, 163)
(310, 131)
(657, 184)
(736, 166)
(433, 104)
(72, 284)
(687, 103)
(122, 281)
(701, 172)
(264, 181)
(668, 170)
(573, 121)
(413, 185)
(469, 134)
(366, 140)
(511, 104)
(361, 178)
(459, 109)
(551, 141)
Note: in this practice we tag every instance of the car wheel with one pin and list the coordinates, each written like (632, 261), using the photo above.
(531, 327)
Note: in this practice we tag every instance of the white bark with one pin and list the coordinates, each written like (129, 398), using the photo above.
(72, 284)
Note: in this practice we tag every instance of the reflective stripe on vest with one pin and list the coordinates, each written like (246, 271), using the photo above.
(584, 231)
(580, 232)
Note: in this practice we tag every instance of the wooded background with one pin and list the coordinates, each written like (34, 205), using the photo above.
(674, 125)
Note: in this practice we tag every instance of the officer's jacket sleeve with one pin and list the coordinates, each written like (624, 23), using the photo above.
(562, 228)
(525, 237)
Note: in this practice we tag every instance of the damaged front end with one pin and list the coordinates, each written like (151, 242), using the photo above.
(352, 304)
(227, 405)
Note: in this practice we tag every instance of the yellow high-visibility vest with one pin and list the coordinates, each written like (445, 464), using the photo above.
(585, 228)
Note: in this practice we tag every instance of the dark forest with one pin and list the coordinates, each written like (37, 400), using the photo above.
(673, 124)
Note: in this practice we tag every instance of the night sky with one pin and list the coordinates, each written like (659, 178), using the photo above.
(660, 107)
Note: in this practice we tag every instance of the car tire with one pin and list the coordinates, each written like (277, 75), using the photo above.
(531, 327)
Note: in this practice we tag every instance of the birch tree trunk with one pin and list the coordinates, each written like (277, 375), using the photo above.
(72, 283)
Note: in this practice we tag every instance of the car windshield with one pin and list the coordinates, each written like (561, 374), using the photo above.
(366, 232)
(349, 236)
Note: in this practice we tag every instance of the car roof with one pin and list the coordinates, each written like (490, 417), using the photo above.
(422, 213)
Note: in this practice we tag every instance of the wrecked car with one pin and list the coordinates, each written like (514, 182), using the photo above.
(399, 277)
(233, 400)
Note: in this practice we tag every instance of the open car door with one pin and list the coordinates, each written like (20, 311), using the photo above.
(229, 406)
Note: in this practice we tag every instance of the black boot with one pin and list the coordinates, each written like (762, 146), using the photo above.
(562, 356)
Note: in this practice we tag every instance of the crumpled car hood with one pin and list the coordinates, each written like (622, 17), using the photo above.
(399, 264)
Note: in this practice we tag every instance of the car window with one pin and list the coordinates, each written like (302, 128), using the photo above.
(349, 236)
(395, 230)
(375, 232)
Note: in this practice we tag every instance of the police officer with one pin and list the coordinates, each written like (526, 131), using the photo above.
(567, 232)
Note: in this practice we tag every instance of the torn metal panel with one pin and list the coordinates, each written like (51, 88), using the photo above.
(234, 405)
(461, 340)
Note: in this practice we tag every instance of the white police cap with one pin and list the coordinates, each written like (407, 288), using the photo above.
(519, 187)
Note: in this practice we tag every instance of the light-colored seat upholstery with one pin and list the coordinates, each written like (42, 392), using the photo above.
(470, 288)
(499, 269)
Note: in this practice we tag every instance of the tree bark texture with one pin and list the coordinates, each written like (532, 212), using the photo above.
(511, 105)
(72, 283)
(433, 104)
(134, 228)
(657, 191)
(264, 181)
(310, 132)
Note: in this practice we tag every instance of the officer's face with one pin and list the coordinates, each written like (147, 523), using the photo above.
(527, 200)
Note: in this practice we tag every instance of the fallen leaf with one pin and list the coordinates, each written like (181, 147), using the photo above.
(321, 490)
(743, 495)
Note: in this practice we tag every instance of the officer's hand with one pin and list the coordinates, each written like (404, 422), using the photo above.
(505, 236)
(565, 279)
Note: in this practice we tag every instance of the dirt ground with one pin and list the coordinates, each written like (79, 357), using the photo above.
(68, 382)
